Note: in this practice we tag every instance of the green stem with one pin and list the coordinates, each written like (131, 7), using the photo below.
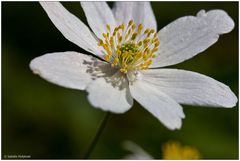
(97, 136)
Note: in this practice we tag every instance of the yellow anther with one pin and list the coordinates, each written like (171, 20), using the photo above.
(105, 47)
(124, 54)
(155, 35)
(157, 44)
(145, 41)
(116, 60)
(147, 50)
(118, 35)
(112, 42)
(120, 39)
(154, 49)
(119, 27)
(108, 27)
(107, 58)
(115, 29)
(109, 52)
(122, 26)
(123, 70)
(134, 35)
(100, 42)
(140, 27)
(145, 56)
(130, 23)
(104, 35)
(149, 62)
(145, 45)
(133, 27)
(152, 31)
(107, 42)
(140, 43)
(138, 55)
(118, 47)
(155, 40)
(146, 31)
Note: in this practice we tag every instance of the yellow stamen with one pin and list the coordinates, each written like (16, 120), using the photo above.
(122, 26)
(134, 35)
(131, 48)
(130, 22)
(133, 26)
(146, 31)
(175, 151)
(108, 27)
(140, 27)
(154, 49)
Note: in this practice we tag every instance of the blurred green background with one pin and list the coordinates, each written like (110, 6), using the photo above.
(51, 122)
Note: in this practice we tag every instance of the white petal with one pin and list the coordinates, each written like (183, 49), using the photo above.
(98, 15)
(67, 69)
(137, 152)
(160, 105)
(102, 94)
(140, 12)
(190, 88)
(188, 36)
(71, 27)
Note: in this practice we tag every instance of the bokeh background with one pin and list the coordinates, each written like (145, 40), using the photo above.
(51, 122)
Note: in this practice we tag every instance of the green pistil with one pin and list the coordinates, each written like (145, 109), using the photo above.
(129, 46)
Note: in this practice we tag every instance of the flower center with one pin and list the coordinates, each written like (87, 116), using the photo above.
(131, 48)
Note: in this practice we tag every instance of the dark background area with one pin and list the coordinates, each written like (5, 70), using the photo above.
(46, 121)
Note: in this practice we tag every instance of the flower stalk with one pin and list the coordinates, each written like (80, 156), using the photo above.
(97, 136)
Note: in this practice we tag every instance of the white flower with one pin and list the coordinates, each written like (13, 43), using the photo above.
(137, 153)
(125, 40)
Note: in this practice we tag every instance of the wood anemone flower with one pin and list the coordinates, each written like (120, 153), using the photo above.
(128, 56)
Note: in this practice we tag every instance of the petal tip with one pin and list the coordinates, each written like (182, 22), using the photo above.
(231, 98)
(176, 126)
(33, 67)
(201, 13)
(225, 23)
(233, 101)
(99, 106)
